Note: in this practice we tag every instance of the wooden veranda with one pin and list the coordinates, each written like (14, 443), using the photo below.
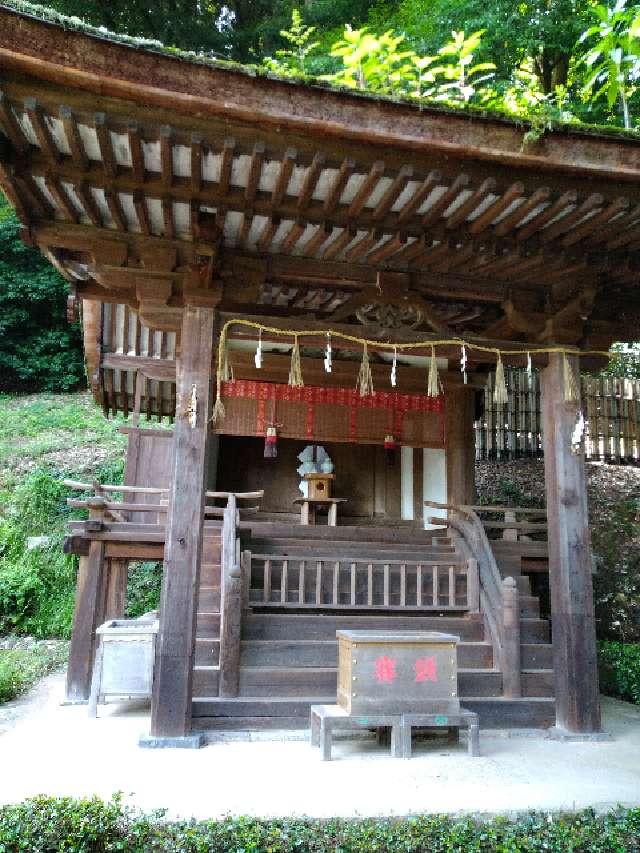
(185, 200)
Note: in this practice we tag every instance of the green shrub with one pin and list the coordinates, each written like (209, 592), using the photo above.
(79, 826)
(143, 588)
(21, 668)
(620, 670)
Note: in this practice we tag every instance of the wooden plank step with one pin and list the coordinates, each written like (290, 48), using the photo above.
(369, 533)
(324, 653)
(494, 712)
(311, 681)
(536, 655)
(272, 626)
(207, 651)
(205, 680)
(361, 555)
(529, 605)
(537, 682)
(534, 630)
(250, 724)
(500, 713)
(209, 598)
(207, 624)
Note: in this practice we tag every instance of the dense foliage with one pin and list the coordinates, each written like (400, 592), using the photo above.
(620, 670)
(560, 61)
(38, 348)
(76, 826)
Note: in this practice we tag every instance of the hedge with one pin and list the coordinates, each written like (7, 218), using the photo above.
(46, 824)
(620, 670)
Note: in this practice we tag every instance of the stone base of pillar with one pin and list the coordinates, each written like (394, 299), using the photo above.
(191, 741)
(565, 736)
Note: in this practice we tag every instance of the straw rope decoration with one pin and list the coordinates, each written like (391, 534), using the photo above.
(295, 372)
(500, 393)
(223, 372)
(365, 379)
(433, 384)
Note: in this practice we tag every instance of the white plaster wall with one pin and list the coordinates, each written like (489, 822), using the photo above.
(434, 482)
(406, 483)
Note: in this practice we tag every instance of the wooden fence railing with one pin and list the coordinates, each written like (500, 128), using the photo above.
(363, 584)
(611, 408)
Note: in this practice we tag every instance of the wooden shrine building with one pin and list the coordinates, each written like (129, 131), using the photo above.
(236, 238)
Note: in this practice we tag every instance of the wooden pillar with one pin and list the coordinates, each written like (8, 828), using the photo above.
(87, 616)
(171, 703)
(116, 595)
(460, 444)
(572, 616)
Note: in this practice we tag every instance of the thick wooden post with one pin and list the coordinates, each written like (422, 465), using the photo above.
(460, 445)
(510, 665)
(116, 589)
(89, 610)
(231, 605)
(573, 623)
(171, 703)
(87, 616)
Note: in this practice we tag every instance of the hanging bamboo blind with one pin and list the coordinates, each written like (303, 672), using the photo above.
(611, 408)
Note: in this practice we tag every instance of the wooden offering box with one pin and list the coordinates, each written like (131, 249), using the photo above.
(396, 672)
(319, 486)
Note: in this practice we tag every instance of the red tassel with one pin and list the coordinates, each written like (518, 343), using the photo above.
(271, 443)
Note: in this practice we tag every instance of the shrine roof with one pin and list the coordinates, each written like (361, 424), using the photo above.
(135, 167)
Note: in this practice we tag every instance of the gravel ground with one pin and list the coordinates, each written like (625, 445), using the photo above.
(58, 750)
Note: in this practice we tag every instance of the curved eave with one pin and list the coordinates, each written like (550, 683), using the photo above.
(101, 66)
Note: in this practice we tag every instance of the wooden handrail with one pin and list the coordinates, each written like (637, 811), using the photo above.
(153, 490)
(500, 598)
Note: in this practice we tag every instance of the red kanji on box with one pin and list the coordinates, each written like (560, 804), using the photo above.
(385, 669)
(426, 669)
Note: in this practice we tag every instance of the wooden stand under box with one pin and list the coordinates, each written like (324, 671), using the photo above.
(396, 672)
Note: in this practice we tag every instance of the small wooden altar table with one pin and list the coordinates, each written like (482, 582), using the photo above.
(308, 507)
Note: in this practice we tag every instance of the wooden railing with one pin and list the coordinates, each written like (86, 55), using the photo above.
(120, 510)
(499, 597)
(611, 407)
(509, 526)
(281, 581)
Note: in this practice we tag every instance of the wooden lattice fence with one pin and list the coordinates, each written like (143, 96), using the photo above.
(611, 408)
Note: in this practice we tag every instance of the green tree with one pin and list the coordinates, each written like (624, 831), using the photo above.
(612, 63)
(460, 78)
(294, 59)
(377, 63)
(39, 350)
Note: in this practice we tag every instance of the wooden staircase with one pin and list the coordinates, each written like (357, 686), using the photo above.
(288, 657)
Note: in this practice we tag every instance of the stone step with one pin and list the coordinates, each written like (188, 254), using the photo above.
(271, 626)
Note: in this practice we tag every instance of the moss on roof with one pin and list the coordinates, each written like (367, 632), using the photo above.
(471, 111)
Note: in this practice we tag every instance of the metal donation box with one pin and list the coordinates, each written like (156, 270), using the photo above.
(124, 660)
(396, 672)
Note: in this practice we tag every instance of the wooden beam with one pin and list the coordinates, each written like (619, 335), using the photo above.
(515, 191)
(574, 636)
(516, 216)
(366, 188)
(226, 164)
(433, 179)
(392, 193)
(284, 176)
(115, 209)
(550, 212)
(140, 205)
(310, 180)
(196, 162)
(104, 143)
(171, 702)
(255, 170)
(460, 445)
(318, 239)
(470, 204)
(334, 192)
(135, 149)
(337, 246)
(166, 155)
(61, 198)
(446, 199)
(78, 154)
(41, 128)
(10, 126)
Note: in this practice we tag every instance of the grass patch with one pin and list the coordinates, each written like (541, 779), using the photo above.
(20, 668)
(43, 824)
